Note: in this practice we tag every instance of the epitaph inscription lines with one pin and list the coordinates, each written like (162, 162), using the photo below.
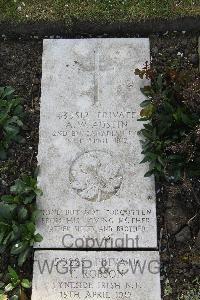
(82, 275)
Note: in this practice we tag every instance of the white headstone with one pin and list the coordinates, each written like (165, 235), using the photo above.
(94, 275)
(94, 189)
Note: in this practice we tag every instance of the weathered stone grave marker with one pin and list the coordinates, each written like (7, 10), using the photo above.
(95, 194)
(89, 151)
(96, 275)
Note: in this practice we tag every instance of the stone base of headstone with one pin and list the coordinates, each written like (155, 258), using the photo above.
(91, 275)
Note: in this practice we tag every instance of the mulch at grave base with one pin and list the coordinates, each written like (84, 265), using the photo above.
(21, 68)
(177, 209)
(88, 28)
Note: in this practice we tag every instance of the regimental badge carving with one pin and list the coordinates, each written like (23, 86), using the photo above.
(96, 175)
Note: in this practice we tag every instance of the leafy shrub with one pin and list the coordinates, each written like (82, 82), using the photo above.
(11, 114)
(18, 214)
(167, 288)
(171, 133)
(13, 286)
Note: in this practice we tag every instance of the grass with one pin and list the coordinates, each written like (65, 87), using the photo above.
(95, 10)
